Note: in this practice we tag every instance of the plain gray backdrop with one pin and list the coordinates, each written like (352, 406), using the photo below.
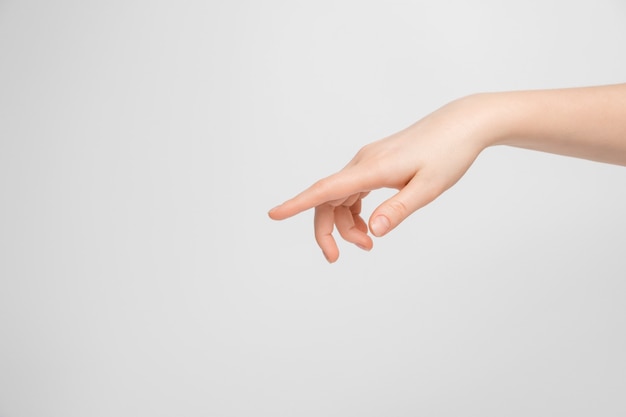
(142, 143)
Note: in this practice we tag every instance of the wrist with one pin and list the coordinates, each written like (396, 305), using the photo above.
(495, 117)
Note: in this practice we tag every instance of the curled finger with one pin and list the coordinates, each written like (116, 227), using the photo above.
(349, 231)
(324, 221)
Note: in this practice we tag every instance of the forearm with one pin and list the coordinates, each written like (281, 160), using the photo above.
(587, 122)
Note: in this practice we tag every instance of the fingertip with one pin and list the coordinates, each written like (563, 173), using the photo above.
(379, 225)
(331, 258)
(367, 247)
(272, 213)
(364, 242)
(280, 212)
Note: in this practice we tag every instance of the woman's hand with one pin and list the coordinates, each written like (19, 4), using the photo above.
(428, 157)
(421, 161)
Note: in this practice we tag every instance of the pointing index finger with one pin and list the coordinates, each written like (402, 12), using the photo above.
(340, 185)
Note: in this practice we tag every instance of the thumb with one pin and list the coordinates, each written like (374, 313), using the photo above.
(415, 195)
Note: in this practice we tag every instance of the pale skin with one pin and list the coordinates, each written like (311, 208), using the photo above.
(428, 157)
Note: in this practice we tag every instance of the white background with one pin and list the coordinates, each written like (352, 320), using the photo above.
(142, 143)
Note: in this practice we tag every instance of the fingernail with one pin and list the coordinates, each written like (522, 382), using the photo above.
(380, 225)
(365, 248)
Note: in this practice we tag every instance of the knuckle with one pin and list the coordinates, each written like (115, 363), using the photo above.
(343, 233)
(321, 183)
(363, 153)
(364, 150)
(321, 237)
(398, 208)
(321, 186)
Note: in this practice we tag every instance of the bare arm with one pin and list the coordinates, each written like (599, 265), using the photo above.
(585, 122)
(428, 157)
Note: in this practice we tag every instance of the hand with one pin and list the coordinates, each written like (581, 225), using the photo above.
(421, 161)
(427, 158)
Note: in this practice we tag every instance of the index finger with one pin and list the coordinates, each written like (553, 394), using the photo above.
(339, 185)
